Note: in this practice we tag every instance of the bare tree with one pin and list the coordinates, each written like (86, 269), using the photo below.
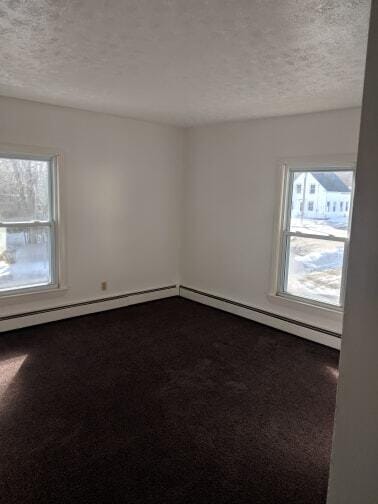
(24, 194)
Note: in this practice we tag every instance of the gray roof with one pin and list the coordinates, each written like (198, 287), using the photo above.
(331, 182)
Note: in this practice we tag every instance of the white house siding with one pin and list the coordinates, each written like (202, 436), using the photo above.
(315, 203)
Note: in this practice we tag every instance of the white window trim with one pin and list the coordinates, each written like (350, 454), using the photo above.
(335, 162)
(58, 239)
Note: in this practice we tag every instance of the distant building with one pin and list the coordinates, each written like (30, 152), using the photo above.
(320, 195)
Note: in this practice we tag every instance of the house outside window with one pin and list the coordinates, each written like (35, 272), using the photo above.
(314, 242)
(29, 244)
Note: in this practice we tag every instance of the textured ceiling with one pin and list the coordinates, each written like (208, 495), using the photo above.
(185, 61)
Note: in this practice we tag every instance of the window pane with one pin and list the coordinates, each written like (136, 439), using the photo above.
(25, 257)
(24, 190)
(315, 269)
(321, 205)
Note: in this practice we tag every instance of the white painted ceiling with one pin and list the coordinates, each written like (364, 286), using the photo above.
(185, 62)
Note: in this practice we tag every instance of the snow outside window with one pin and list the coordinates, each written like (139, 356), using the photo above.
(314, 242)
(27, 224)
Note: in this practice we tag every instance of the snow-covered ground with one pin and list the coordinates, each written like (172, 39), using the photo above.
(316, 275)
(323, 227)
(31, 264)
(315, 266)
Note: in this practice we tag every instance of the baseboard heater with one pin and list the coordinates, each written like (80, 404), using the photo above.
(260, 311)
(308, 331)
(86, 303)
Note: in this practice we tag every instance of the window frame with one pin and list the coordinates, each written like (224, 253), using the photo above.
(288, 170)
(57, 259)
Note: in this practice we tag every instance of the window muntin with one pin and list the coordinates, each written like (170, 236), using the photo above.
(27, 224)
(314, 240)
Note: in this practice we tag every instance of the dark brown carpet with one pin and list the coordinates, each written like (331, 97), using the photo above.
(165, 402)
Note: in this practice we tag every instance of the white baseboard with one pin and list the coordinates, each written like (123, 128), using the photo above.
(84, 307)
(87, 306)
(321, 336)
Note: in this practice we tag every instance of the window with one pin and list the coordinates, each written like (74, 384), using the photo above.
(341, 206)
(27, 224)
(312, 189)
(328, 206)
(346, 206)
(299, 188)
(334, 206)
(314, 247)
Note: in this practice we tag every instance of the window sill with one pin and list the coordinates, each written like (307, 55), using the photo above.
(305, 305)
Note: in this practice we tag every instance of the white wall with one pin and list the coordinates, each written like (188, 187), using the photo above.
(354, 464)
(129, 207)
(121, 181)
(231, 181)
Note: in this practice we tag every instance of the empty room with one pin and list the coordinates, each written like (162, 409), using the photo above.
(188, 251)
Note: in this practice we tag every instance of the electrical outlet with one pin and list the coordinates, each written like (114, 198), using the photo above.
(104, 285)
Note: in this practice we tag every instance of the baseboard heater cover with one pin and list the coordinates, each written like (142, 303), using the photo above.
(85, 303)
(331, 338)
(260, 311)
